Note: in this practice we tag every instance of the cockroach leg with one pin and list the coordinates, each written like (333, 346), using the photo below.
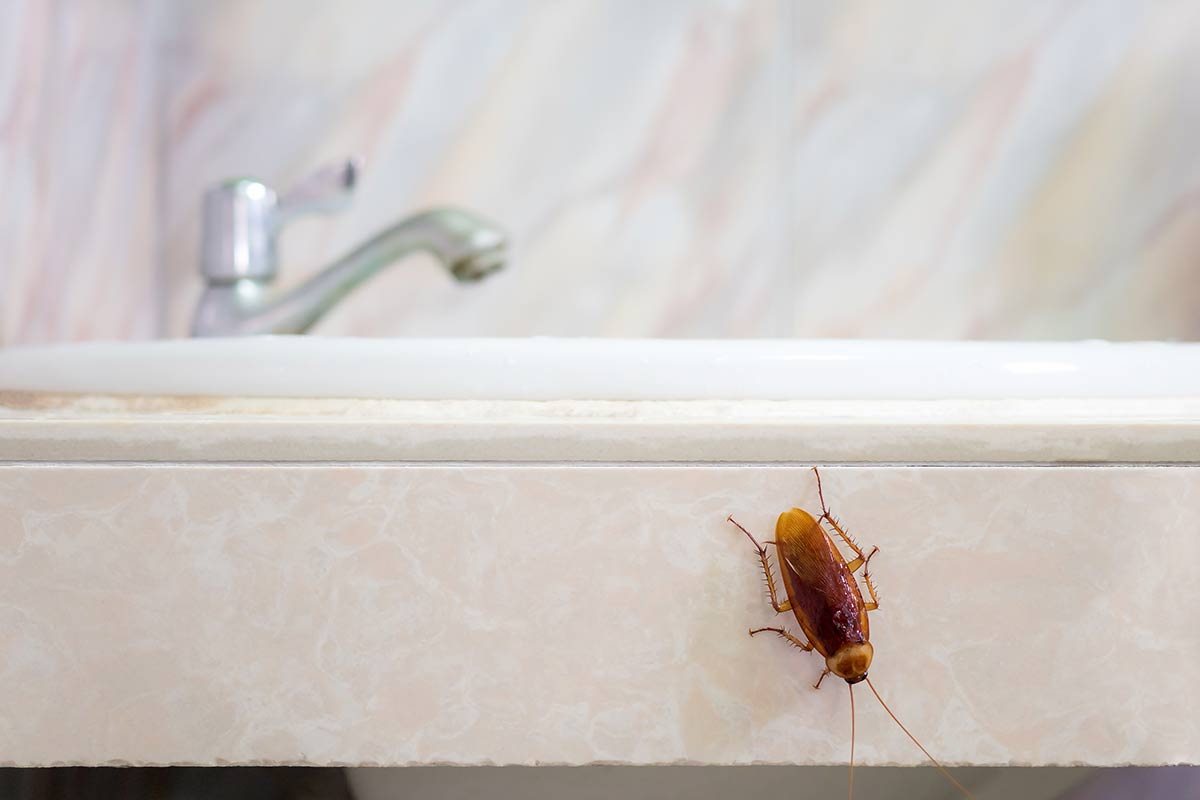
(805, 646)
(779, 607)
(817, 685)
(874, 604)
(867, 560)
(854, 565)
(820, 494)
(826, 515)
(859, 559)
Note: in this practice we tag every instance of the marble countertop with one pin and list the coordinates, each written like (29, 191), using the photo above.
(42, 427)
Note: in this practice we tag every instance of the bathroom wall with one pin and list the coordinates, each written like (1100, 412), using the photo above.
(634, 150)
(80, 167)
(720, 168)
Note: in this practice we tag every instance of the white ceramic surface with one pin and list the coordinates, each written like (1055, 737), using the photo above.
(587, 369)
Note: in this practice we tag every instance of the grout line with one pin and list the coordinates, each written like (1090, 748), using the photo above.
(541, 465)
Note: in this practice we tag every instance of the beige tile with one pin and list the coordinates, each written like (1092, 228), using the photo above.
(560, 614)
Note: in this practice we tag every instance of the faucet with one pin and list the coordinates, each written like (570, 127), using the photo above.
(243, 217)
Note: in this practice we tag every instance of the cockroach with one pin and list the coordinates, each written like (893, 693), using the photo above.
(827, 602)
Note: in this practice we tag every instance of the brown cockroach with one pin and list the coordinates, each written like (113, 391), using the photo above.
(826, 600)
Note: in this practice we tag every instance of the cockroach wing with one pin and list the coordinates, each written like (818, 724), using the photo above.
(825, 596)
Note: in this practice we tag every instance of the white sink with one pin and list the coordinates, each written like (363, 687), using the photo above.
(422, 552)
(599, 369)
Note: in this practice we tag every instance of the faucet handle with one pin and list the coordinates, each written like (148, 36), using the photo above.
(326, 190)
(242, 218)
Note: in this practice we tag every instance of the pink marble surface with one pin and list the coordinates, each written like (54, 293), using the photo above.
(80, 163)
(738, 168)
(638, 190)
(566, 614)
(997, 170)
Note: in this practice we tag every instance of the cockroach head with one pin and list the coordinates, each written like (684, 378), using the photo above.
(851, 661)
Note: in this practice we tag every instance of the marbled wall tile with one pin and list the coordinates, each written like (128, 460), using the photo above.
(395, 614)
(79, 162)
(724, 168)
(991, 170)
(633, 150)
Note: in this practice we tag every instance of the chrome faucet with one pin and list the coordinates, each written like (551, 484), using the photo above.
(243, 217)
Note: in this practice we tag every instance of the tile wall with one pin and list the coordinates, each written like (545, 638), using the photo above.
(719, 168)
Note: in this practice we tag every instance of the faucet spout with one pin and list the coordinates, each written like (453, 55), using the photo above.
(469, 247)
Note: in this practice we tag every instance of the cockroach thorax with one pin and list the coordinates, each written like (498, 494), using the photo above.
(851, 661)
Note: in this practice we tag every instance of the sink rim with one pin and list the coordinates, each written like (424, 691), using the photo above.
(545, 368)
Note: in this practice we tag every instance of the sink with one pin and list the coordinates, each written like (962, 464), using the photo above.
(605, 369)
(459, 551)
